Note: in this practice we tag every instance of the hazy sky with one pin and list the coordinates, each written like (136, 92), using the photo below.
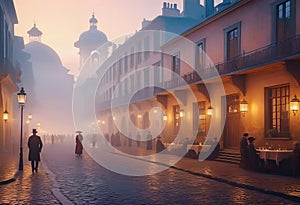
(62, 21)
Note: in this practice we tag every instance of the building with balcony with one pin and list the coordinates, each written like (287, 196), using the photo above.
(239, 63)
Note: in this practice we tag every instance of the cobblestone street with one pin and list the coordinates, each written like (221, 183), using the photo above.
(83, 181)
(67, 179)
(28, 188)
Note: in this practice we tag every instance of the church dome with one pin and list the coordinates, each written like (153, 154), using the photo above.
(42, 53)
(93, 37)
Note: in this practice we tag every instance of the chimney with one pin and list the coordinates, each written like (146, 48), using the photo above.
(209, 7)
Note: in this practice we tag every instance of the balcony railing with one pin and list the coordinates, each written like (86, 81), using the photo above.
(259, 57)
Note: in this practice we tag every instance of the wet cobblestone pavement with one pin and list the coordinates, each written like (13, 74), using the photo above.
(83, 181)
(66, 179)
(28, 188)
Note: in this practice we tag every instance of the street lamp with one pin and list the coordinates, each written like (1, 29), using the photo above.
(21, 101)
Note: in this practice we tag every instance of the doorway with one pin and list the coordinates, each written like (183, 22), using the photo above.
(232, 128)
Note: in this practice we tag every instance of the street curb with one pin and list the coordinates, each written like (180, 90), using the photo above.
(55, 186)
(229, 182)
(241, 185)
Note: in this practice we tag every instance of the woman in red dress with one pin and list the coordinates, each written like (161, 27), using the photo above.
(78, 147)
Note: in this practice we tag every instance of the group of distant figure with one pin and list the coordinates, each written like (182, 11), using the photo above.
(118, 140)
(250, 158)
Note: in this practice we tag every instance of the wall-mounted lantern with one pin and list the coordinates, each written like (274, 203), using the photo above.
(181, 113)
(5, 116)
(165, 117)
(209, 111)
(243, 107)
(295, 105)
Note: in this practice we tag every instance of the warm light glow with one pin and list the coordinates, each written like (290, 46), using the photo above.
(103, 122)
(98, 121)
(202, 117)
(114, 118)
(209, 111)
(243, 107)
(139, 117)
(181, 113)
(38, 124)
(27, 121)
(29, 116)
(21, 97)
(5, 115)
(165, 117)
(295, 105)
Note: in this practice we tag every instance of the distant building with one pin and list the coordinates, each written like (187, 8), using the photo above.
(49, 89)
(90, 40)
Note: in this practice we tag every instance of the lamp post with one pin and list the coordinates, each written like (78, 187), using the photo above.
(21, 101)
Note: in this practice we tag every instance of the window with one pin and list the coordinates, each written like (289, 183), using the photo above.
(120, 66)
(132, 83)
(156, 40)
(277, 111)
(176, 63)
(147, 77)
(200, 55)
(2, 35)
(199, 118)
(147, 47)
(157, 73)
(285, 20)
(131, 57)
(125, 63)
(232, 41)
(139, 53)
(177, 119)
(126, 86)
(114, 71)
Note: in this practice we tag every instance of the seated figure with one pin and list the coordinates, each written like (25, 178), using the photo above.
(295, 161)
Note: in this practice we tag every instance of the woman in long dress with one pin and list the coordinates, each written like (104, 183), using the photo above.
(78, 147)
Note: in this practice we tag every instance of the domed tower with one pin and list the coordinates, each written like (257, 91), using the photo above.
(34, 34)
(90, 40)
(50, 96)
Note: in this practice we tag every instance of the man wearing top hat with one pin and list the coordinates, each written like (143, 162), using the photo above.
(35, 147)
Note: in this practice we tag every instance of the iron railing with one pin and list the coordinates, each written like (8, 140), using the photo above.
(266, 55)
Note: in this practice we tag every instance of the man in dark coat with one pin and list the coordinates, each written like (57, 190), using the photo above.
(35, 147)
(243, 150)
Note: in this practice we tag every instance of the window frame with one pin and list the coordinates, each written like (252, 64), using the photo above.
(271, 131)
(237, 26)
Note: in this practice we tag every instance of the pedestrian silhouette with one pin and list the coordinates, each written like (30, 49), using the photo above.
(244, 151)
(149, 141)
(35, 147)
(138, 139)
(159, 145)
(78, 147)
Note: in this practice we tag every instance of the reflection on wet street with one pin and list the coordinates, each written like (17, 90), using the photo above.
(84, 182)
